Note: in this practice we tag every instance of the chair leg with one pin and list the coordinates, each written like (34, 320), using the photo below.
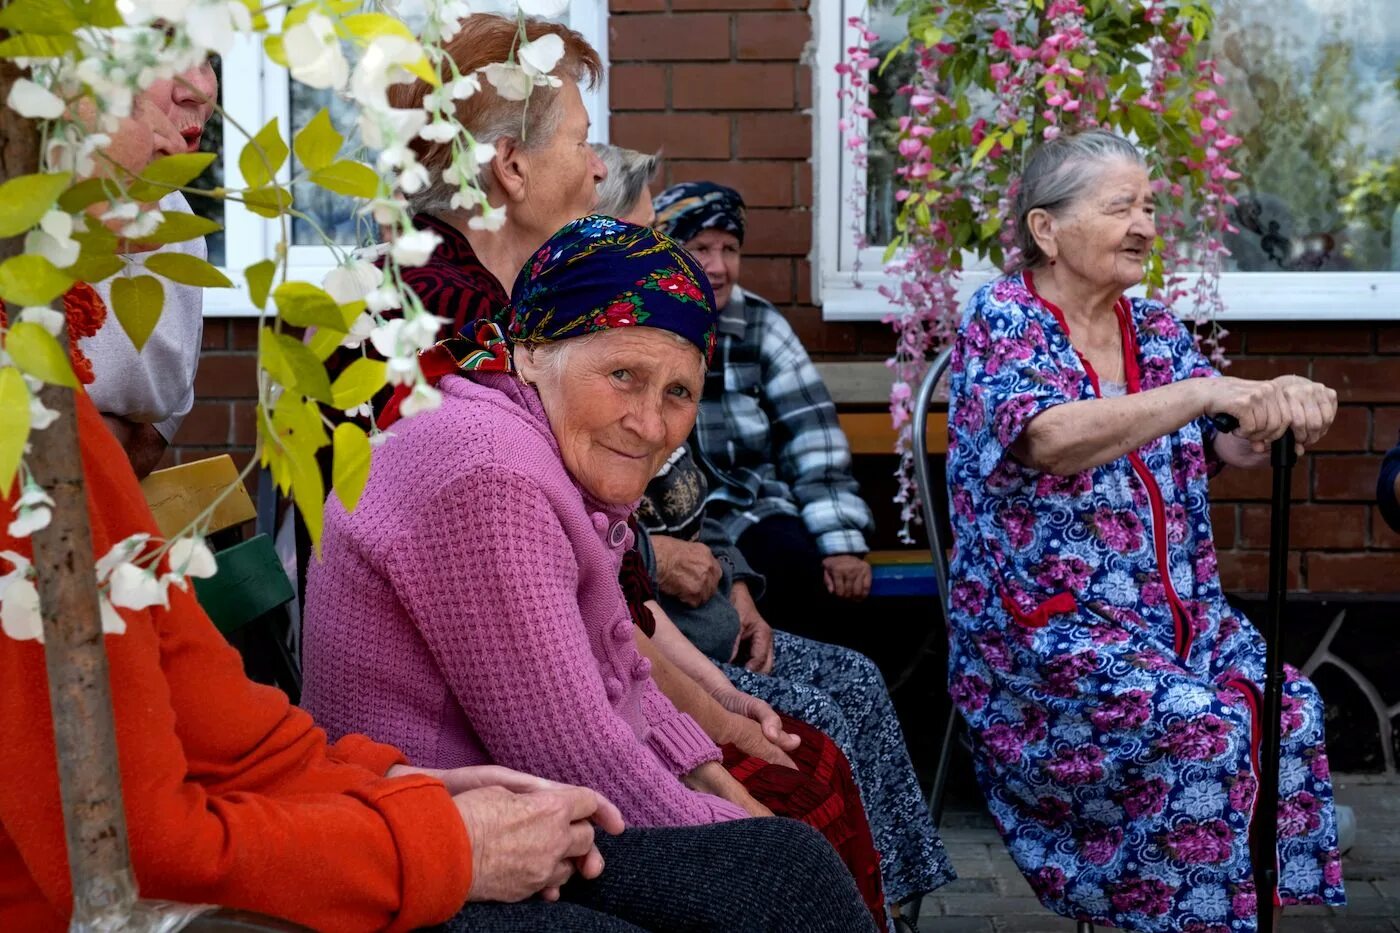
(1084, 926)
(940, 774)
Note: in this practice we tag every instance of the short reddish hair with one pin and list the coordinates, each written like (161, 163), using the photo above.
(485, 39)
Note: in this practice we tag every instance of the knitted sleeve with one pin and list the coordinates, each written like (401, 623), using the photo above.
(490, 579)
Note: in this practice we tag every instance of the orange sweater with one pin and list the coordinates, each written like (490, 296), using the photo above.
(232, 795)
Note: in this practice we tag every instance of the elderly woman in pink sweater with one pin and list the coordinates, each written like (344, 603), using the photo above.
(469, 609)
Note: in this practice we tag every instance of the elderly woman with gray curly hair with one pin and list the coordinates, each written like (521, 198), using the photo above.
(1112, 692)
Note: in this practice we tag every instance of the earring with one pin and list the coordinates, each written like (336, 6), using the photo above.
(1052, 262)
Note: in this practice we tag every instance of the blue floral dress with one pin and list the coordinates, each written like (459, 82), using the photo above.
(1110, 689)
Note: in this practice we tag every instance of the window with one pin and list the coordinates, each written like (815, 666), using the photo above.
(253, 92)
(1315, 87)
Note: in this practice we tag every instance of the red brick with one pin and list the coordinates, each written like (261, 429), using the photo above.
(637, 87)
(1382, 535)
(636, 6)
(820, 337)
(763, 184)
(1233, 483)
(1222, 526)
(1373, 379)
(804, 282)
(215, 336)
(1356, 572)
(1248, 571)
(774, 136)
(1388, 338)
(1351, 430)
(1385, 429)
(772, 36)
(245, 424)
(226, 375)
(779, 232)
(1309, 339)
(803, 195)
(1233, 342)
(244, 333)
(804, 87)
(738, 5)
(1350, 478)
(678, 135)
(669, 37)
(770, 278)
(1267, 367)
(1311, 527)
(206, 425)
(731, 87)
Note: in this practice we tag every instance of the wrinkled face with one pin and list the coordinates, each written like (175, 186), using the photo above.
(187, 102)
(718, 253)
(642, 213)
(619, 404)
(563, 174)
(1105, 237)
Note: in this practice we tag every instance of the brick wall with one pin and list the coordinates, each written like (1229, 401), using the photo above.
(722, 87)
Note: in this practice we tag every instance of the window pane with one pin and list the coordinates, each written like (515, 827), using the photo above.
(889, 106)
(1315, 88)
(213, 176)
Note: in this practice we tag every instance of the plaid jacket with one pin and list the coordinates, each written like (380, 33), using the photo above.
(767, 434)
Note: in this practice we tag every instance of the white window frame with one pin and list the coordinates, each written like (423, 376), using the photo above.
(845, 295)
(260, 91)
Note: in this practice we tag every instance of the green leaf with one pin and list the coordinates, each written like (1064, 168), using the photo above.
(178, 226)
(14, 424)
(272, 46)
(268, 201)
(137, 303)
(95, 267)
(259, 276)
(187, 270)
(262, 156)
(350, 465)
(352, 179)
(357, 384)
(318, 143)
(85, 194)
(32, 46)
(38, 18)
(984, 147)
(175, 171)
(323, 343)
(24, 200)
(370, 26)
(309, 493)
(31, 280)
(292, 364)
(302, 304)
(39, 354)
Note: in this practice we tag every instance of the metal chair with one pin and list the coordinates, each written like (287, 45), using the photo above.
(935, 503)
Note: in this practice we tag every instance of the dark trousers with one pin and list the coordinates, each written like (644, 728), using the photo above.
(747, 876)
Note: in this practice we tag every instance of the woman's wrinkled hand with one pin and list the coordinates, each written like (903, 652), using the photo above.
(758, 730)
(753, 629)
(687, 570)
(1311, 406)
(711, 778)
(1266, 409)
(532, 843)
(847, 576)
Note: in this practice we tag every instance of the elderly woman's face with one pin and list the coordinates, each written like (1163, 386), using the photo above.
(1105, 237)
(717, 251)
(619, 404)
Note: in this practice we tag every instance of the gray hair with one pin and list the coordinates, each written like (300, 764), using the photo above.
(629, 171)
(1057, 174)
(551, 358)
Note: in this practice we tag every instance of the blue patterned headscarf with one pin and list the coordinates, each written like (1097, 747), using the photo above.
(684, 211)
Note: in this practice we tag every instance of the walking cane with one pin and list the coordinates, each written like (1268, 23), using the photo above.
(1282, 456)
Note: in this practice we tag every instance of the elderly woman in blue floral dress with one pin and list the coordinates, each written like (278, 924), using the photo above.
(1111, 691)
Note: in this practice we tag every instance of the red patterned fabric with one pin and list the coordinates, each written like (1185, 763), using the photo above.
(822, 793)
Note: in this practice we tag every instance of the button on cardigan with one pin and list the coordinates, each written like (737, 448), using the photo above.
(469, 612)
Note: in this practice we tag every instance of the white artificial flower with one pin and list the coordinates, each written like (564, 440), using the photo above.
(360, 330)
(146, 11)
(384, 298)
(121, 552)
(465, 87)
(380, 66)
(388, 126)
(449, 16)
(73, 152)
(136, 587)
(54, 240)
(402, 370)
(483, 152)
(510, 80)
(413, 178)
(33, 511)
(541, 56)
(33, 101)
(39, 416)
(46, 317)
(362, 410)
(19, 609)
(189, 556)
(386, 212)
(423, 398)
(212, 27)
(144, 224)
(127, 210)
(545, 9)
(490, 219)
(420, 331)
(414, 248)
(352, 281)
(385, 337)
(313, 53)
(439, 131)
(112, 621)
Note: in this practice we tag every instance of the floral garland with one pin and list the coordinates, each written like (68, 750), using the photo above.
(991, 79)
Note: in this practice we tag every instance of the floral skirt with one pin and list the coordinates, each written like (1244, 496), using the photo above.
(841, 692)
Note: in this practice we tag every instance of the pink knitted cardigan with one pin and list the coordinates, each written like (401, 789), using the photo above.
(469, 612)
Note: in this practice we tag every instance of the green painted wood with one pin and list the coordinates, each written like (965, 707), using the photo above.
(249, 584)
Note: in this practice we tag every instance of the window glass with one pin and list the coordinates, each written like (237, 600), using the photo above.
(889, 106)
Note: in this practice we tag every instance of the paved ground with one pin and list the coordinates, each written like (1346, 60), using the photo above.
(990, 895)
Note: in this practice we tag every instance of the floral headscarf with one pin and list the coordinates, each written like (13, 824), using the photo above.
(595, 274)
(684, 211)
